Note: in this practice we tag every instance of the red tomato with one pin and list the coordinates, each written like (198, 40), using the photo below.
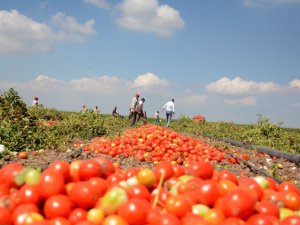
(134, 211)
(62, 167)
(239, 203)
(114, 220)
(226, 174)
(288, 186)
(225, 186)
(58, 206)
(21, 211)
(100, 185)
(266, 207)
(4, 190)
(291, 200)
(138, 191)
(261, 219)
(29, 193)
(167, 219)
(59, 221)
(77, 215)
(5, 217)
(178, 205)
(83, 194)
(272, 183)
(207, 192)
(201, 169)
(252, 185)
(107, 167)
(214, 216)
(9, 172)
(165, 169)
(162, 194)
(178, 170)
(191, 218)
(232, 221)
(51, 183)
(88, 169)
(291, 220)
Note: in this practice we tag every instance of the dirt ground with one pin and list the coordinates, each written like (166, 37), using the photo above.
(278, 168)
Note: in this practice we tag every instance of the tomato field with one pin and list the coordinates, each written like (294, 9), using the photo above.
(73, 169)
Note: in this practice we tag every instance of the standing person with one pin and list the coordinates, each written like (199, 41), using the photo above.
(96, 110)
(84, 109)
(132, 112)
(35, 101)
(114, 112)
(170, 111)
(139, 110)
(156, 117)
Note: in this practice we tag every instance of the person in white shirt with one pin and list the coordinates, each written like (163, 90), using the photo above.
(169, 107)
(35, 101)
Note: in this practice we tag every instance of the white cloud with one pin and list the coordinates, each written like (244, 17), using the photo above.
(21, 34)
(149, 80)
(241, 101)
(194, 100)
(295, 84)
(238, 86)
(252, 3)
(149, 16)
(102, 4)
(70, 24)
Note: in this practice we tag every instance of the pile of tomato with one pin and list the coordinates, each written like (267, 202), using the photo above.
(98, 192)
(155, 143)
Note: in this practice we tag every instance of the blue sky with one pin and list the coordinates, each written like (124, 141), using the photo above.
(226, 60)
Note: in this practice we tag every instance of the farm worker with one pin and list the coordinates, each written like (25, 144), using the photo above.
(35, 101)
(84, 109)
(132, 112)
(96, 110)
(114, 112)
(169, 107)
(139, 109)
(156, 117)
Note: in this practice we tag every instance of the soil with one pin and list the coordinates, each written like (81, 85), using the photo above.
(278, 168)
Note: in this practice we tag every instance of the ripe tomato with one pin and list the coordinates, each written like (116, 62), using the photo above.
(51, 183)
(114, 220)
(287, 186)
(100, 185)
(178, 205)
(214, 216)
(261, 219)
(191, 218)
(232, 221)
(29, 193)
(107, 167)
(207, 192)
(5, 217)
(83, 194)
(178, 170)
(138, 191)
(4, 190)
(23, 155)
(266, 207)
(88, 169)
(167, 219)
(291, 220)
(76, 215)
(239, 203)
(134, 211)
(9, 172)
(62, 167)
(165, 169)
(201, 169)
(291, 200)
(225, 186)
(21, 211)
(59, 221)
(58, 206)
(251, 185)
(227, 174)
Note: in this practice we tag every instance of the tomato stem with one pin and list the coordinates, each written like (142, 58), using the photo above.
(160, 183)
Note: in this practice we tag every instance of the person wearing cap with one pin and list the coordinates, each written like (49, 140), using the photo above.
(134, 103)
(169, 107)
(35, 101)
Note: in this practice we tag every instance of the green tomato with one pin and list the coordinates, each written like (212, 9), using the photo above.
(32, 176)
(200, 209)
(262, 181)
(111, 201)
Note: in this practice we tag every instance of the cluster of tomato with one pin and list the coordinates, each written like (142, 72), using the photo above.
(156, 143)
(99, 192)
